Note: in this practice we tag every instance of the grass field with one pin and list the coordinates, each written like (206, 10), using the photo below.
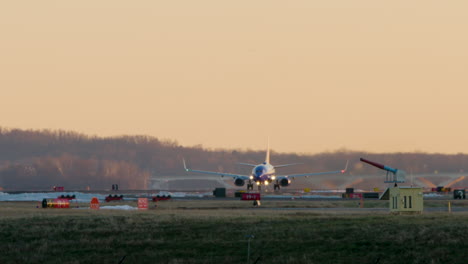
(216, 232)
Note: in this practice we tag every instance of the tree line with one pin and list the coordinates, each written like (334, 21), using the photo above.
(40, 159)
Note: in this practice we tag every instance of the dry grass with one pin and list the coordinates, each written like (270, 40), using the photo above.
(215, 231)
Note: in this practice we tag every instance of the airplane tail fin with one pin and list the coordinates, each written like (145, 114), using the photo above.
(267, 158)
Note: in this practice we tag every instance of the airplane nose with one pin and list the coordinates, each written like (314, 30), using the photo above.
(258, 173)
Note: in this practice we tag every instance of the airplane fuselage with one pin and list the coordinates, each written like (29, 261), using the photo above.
(263, 174)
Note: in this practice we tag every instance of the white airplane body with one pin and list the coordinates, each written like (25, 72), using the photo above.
(264, 174)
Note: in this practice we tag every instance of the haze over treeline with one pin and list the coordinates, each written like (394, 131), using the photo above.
(40, 159)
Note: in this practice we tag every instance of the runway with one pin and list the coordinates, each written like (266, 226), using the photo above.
(322, 201)
(361, 210)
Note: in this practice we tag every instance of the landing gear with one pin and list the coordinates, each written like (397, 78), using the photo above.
(249, 186)
(259, 187)
(276, 187)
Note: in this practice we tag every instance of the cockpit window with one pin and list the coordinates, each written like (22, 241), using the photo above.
(259, 170)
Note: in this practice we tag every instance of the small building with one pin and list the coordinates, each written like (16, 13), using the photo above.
(404, 199)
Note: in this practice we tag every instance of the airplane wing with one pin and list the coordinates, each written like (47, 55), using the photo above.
(222, 174)
(314, 174)
(286, 165)
(247, 164)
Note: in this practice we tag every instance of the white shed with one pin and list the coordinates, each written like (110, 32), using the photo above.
(404, 199)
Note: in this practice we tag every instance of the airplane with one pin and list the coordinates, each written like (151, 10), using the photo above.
(264, 174)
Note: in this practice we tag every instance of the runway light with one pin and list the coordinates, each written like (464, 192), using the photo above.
(266, 182)
(258, 183)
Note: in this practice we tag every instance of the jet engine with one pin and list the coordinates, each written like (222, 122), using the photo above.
(284, 182)
(239, 182)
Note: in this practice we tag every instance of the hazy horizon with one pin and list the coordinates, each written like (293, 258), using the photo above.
(216, 148)
(312, 76)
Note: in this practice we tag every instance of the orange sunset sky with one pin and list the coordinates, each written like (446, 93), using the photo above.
(378, 76)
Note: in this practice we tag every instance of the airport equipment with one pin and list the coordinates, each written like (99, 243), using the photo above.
(94, 203)
(142, 203)
(68, 197)
(368, 195)
(404, 199)
(238, 194)
(158, 198)
(459, 194)
(111, 197)
(441, 189)
(351, 195)
(255, 197)
(55, 203)
(250, 197)
(362, 195)
(393, 175)
(219, 192)
(58, 188)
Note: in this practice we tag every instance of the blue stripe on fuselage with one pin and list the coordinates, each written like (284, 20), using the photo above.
(262, 173)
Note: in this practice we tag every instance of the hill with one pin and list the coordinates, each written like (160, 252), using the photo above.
(39, 159)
